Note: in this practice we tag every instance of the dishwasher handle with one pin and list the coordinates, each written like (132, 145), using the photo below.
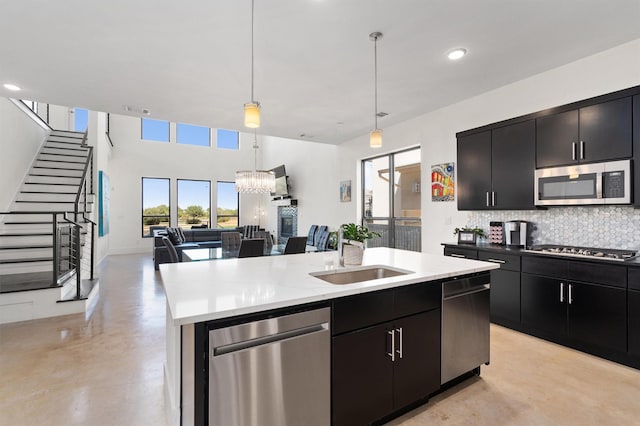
(260, 341)
(467, 292)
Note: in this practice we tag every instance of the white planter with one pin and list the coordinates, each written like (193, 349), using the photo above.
(353, 253)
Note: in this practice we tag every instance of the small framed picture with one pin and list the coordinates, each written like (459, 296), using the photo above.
(345, 191)
(466, 237)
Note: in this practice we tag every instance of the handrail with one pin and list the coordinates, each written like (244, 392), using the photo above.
(82, 181)
(35, 117)
(109, 139)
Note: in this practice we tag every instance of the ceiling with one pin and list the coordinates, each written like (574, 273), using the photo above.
(190, 61)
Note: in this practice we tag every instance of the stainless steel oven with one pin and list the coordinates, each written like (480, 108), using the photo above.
(596, 183)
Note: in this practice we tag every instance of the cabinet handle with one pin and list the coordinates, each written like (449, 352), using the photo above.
(573, 150)
(493, 198)
(488, 199)
(496, 260)
(561, 292)
(570, 294)
(582, 150)
(392, 354)
(399, 330)
(461, 256)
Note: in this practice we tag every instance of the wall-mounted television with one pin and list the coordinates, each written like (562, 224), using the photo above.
(282, 185)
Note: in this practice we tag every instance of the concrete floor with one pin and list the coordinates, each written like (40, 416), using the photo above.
(109, 370)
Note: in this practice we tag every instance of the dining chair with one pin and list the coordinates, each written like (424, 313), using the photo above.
(295, 245)
(173, 253)
(251, 247)
(311, 235)
(319, 232)
(268, 241)
(323, 241)
(231, 241)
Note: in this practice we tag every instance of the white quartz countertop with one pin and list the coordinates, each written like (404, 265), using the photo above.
(217, 289)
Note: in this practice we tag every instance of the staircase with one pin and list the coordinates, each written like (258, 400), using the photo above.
(46, 238)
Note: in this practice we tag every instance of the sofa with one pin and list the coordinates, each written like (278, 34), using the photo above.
(189, 239)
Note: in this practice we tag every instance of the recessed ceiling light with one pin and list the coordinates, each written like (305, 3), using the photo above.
(11, 87)
(457, 54)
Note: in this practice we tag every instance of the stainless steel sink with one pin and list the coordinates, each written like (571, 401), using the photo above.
(351, 276)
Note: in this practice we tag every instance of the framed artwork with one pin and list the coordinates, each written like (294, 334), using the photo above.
(103, 203)
(345, 191)
(442, 182)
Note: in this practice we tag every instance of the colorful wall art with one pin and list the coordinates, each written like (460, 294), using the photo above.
(442, 182)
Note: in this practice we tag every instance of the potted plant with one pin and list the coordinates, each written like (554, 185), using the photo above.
(353, 242)
(468, 235)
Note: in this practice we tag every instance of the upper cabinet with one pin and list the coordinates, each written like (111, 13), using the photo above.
(636, 149)
(496, 167)
(593, 133)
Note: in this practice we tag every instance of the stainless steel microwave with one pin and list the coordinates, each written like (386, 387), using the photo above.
(595, 183)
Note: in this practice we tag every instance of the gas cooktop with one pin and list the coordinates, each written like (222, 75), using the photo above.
(588, 252)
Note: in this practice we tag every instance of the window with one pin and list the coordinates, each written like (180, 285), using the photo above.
(192, 135)
(32, 105)
(227, 210)
(194, 203)
(155, 205)
(155, 130)
(391, 200)
(227, 139)
(80, 119)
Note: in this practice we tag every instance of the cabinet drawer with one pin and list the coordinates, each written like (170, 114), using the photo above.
(362, 310)
(634, 278)
(417, 298)
(508, 262)
(467, 253)
(545, 266)
(599, 273)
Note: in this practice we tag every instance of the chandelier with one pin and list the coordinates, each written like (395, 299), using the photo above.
(255, 181)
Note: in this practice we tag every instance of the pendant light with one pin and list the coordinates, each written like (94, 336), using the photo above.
(252, 109)
(375, 138)
(255, 181)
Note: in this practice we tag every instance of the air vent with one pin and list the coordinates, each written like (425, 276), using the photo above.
(136, 109)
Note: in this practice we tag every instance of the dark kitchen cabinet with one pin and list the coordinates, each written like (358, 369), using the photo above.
(474, 171)
(380, 368)
(636, 149)
(597, 315)
(505, 287)
(461, 252)
(593, 133)
(634, 322)
(543, 304)
(556, 303)
(495, 168)
(513, 166)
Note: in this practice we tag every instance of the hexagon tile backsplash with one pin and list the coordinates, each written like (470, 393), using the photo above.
(615, 227)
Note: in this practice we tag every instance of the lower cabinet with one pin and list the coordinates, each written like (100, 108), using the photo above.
(505, 287)
(589, 313)
(369, 383)
(634, 322)
(378, 369)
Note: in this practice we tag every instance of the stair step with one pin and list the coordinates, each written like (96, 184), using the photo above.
(39, 218)
(41, 238)
(11, 283)
(53, 146)
(21, 268)
(22, 260)
(69, 133)
(55, 171)
(65, 145)
(57, 153)
(65, 139)
(52, 197)
(53, 180)
(86, 287)
(19, 255)
(60, 161)
(24, 247)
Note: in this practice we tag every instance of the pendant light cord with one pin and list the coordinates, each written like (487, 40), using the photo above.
(252, 8)
(255, 151)
(375, 80)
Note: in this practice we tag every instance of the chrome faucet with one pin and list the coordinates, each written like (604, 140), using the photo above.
(340, 246)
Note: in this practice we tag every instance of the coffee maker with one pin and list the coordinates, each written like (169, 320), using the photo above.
(516, 233)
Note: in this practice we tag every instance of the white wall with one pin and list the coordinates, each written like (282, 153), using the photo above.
(96, 137)
(20, 141)
(608, 71)
(311, 168)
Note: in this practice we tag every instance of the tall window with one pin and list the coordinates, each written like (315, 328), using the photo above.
(194, 203)
(227, 211)
(155, 130)
(391, 199)
(227, 139)
(155, 205)
(192, 135)
(80, 119)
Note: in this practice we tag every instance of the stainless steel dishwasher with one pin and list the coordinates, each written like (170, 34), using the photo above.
(465, 325)
(275, 371)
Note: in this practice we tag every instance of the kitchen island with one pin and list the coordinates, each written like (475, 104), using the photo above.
(202, 296)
